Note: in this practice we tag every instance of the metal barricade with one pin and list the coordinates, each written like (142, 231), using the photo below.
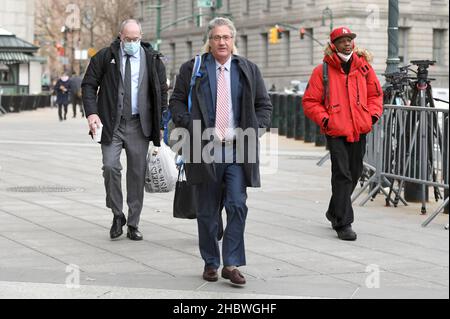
(408, 144)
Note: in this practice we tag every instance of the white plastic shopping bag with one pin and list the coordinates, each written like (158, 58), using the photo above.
(161, 174)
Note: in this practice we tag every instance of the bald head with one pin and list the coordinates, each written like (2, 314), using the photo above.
(130, 30)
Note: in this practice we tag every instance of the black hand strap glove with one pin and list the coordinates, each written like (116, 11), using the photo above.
(374, 119)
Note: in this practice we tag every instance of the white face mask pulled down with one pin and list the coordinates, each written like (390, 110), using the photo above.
(345, 57)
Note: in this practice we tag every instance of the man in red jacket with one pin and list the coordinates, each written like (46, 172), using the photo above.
(345, 107)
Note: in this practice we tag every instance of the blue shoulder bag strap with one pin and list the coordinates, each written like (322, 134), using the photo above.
(195, 74)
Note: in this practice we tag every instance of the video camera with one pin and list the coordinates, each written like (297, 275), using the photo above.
(422, 69)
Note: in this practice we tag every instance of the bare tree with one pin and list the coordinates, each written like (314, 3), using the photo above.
(97, 23)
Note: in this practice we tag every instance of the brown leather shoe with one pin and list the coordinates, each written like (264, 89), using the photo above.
(210, 274)
(234, 276)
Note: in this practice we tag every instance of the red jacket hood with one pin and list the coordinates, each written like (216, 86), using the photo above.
(359, 55)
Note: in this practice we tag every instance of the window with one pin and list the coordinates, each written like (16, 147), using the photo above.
(173, 52)
(266, 5)
(175, 10)
(141, 10)
(288, 4)
(5, 75)
(243, 46)
(189, 49)
(310, 38)
(287, 47)
(438, 45)
(245, 6)
(403, 34)
(192, 11)
(228, 6)
(265, 46)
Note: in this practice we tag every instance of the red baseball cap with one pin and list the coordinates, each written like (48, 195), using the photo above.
(341, 32)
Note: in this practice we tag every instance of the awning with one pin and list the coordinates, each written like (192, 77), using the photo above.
(14, 57)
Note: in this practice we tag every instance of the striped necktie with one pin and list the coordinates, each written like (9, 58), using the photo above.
(223, 105)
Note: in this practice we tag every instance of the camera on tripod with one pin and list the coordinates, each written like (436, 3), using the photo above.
(398, 79)
(422, 68)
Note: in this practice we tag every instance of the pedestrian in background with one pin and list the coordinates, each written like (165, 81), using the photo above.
(76, 98)
(62, 90)
(229, 94)
(133, 90)
(345, 107)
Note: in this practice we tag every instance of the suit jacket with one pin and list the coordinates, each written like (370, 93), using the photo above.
(209, 86)
(251, 106)
(100, 89)
(144, 103)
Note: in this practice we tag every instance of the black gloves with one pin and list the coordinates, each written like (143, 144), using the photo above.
(374, 119)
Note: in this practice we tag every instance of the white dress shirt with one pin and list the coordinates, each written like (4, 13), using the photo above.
(135, 62)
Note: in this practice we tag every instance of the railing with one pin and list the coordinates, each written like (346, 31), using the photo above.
(408, 147)
(288, 117)
(18, 103)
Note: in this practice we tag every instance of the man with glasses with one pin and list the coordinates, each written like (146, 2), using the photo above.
(229, 96)
(124, 91)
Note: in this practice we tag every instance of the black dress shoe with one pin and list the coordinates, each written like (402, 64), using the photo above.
(329, 217)
(346, 233)
(116, 228)
(134, 234)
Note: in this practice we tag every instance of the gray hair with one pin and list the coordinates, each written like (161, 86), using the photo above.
(216, 22)
(124, 23)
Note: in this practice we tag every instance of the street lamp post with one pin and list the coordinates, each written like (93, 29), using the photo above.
(327, 12)
(393, 60)
(64, 31)
(158, 8)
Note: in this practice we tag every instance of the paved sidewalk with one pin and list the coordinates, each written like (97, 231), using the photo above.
(291, 250)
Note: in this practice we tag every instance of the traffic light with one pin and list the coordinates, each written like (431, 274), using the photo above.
(302, 33)
(60, 49)
(276, 34)
(273, 35)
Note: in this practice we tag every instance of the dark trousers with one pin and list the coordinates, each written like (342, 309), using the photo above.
(77, 101)
(60, 110)
(346, 169)
(230, 187)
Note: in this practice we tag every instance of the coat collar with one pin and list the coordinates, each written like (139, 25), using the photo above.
(335, 61)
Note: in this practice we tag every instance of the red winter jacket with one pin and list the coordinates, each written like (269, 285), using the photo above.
(353, 98)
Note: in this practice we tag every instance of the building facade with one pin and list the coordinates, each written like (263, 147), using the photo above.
(17, 16)
(423, 32)
(20, 68)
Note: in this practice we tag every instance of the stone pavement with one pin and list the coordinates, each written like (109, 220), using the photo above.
(46, 237)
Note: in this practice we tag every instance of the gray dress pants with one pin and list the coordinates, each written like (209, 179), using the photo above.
(128, 135)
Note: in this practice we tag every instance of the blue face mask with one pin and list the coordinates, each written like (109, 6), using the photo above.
(131, 48)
